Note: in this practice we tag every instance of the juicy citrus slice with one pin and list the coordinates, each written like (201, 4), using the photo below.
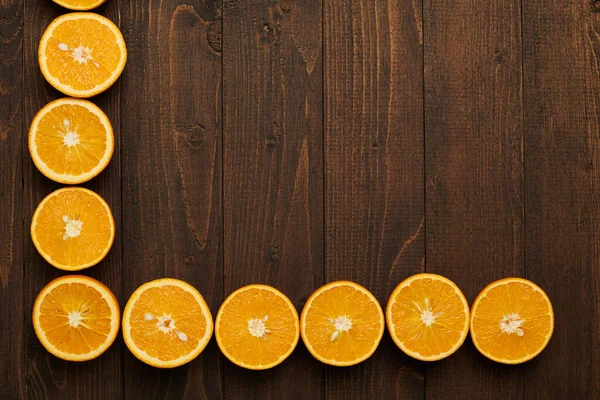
(511, 321)
(428, 317)
(76, 318)
(166, 323)
(82, 54)
(73, 228)
(342, 323)
(71, 140)
(257, 327)
(80, 5)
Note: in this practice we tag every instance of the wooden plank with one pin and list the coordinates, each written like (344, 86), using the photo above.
(273, 170)
(12, 347)
(562, 121)
(374, 192)
(49, 377)
(171, 99)
(474, 168)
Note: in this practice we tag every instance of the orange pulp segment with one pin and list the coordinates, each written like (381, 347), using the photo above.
(79, 4)
(166, 323)
(73, 228)
(71, 140)
(342, 323)
(511, 321)
(76, 318)
(428, 317)
(257, 327)
(82, 54)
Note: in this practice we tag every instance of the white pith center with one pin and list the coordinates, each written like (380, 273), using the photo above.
(75, 319)
(427, 315)
(257, 327)
(341, 324)
(511, 323)
(73, 227)
(70, 138)
(80, 54)
(166, 325)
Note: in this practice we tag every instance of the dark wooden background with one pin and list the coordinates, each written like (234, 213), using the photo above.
(298, 142)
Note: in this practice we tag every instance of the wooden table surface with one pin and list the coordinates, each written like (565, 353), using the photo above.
(297, 142)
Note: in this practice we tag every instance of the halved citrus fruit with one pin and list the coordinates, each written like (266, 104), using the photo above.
(428, 317)
(257, 327)
(73, 228)
(80, 5)
(71, 140)
(342, 323)
(76, 318)
(511, 321)
(166, 323)
(82, 54)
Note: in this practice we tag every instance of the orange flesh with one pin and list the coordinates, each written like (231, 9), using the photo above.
(92, 38)
(71, 160)
(80, 4)
(450, 320)
(512, 298)
(171, 307)
(256, 304)
(349, 345)
(96, 228)
(91, 332)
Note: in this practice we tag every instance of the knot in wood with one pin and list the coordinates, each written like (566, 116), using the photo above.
(214, 36)
(285, 6)
(499, 57)
(268, 31)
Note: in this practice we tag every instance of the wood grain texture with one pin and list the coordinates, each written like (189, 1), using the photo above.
(374, 198)
(12, 345)
(298, 142)
(474, 168)
(562, 147)
(48, 376)
(273, 170)
(171, 99)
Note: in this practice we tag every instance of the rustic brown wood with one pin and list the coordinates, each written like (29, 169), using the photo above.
(171, 99)
(12, 345)
(273, 170)
(374, 197)
(297, 142)
(47, 376)
(562, 164)
(474, 168)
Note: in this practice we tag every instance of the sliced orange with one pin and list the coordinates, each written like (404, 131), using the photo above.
(80, 5)
(257, 327)
(73, 228)
(342, 323)
(428, 317)
(71, 140)
(76, 318)
(511, 321)
(166, 323)
(82, 54)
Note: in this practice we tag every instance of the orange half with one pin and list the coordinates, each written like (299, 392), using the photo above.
(71, 140)
(79, 5)
(166, 323)
(257, 327)
(82, 54)
(428, 317)
(511, 321)
(73, 228)
(342, 324)
(76, 318)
